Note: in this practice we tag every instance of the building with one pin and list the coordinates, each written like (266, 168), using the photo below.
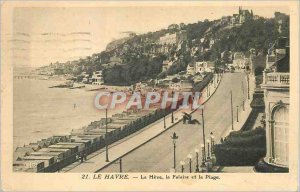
(173, 38)
(166, 65)
(276, 85)
(201, 67)
(168, 39)
(226, 56)
(173, 26)
(239, 60)
(190, 69)
(97, 78)
(85, 78)
(241, 17)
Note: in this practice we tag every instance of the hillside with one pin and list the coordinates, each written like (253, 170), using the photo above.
(141, 57)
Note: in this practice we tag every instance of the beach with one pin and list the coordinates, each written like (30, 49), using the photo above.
(40, 111)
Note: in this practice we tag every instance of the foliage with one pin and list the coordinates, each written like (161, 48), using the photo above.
(242, 148)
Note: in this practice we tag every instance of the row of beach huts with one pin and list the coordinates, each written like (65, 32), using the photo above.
(54, 153)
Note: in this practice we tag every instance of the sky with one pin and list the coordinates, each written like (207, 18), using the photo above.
(82, 31)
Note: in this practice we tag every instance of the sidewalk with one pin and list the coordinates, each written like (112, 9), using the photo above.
(97, 161)
(243, 115)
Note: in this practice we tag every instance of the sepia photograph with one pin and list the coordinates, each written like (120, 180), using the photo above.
(169, 90)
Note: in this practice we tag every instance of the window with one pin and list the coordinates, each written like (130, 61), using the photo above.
(280, 127)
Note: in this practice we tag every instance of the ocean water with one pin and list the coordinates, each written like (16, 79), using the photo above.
(40, 111)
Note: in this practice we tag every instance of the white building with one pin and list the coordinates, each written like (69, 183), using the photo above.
(201, 67)
(276, 85)
(239, 60)
(97, 78)
(166, 65)
(168, 39)
(190, 70)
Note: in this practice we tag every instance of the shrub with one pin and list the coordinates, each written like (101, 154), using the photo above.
(242, 148)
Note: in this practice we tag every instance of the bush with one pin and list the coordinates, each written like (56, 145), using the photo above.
(237, 156)
(242, 148)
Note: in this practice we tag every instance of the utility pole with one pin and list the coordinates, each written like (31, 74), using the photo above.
(203, 132)
(106, 140)
(231, 109)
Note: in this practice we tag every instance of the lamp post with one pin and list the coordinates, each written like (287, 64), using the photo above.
(208, 152)
(190, 160)
(237, 113)
(174, 137)
(248, 85)
(106, 140)
(203, 134)
(212, 142)
(203, 166)
(197, 160)
(172, 117)
(203, 154)
(182, 166)
(165, 118)
(243, 96)
(231, 109)
(207, 91)
(120, 161)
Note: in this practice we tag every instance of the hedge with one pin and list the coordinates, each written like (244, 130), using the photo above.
(241, 148)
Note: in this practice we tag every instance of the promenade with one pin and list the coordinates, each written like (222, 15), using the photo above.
(157, 155)
(121, 148)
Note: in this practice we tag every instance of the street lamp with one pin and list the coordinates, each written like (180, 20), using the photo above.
(106, 140)
(208, 152)
(248, 85)
(203, 134)
(190, 156)
(174, 137)
(203, 154)
(182, 166)
(231, 109)
(212, 142)
(203, 166)
(207, 91)
(165, 118)
(237, 113)
(197, 160)
(120, 163)
(172, 117)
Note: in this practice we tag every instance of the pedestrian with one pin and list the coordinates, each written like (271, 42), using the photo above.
(85, 156)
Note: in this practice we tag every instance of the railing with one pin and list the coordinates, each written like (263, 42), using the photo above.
(280, 79)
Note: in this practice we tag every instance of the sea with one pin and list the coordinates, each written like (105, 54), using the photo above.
(41, 112)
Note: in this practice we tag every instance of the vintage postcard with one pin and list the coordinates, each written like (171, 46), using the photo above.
(149, 95)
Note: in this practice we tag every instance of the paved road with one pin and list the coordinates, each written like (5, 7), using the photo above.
(157, 155)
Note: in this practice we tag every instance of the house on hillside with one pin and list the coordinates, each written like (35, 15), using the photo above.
(166, 65)
(241, 17)
(173, 38)
(190, 69)
(97, 78)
